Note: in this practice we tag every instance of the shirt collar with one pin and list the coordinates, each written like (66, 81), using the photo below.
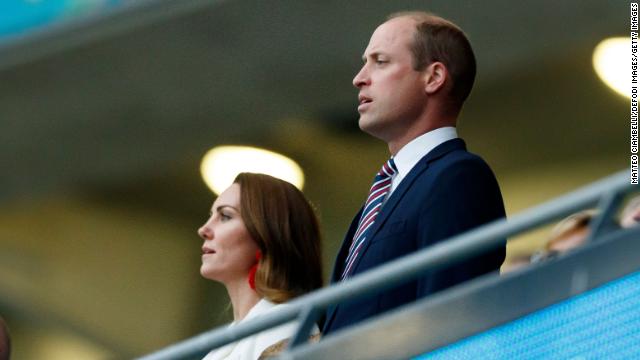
(260, 307)
(417, 148)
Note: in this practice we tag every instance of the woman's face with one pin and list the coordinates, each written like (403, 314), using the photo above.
(228, 251)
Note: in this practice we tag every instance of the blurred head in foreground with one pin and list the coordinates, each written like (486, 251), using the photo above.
(571, 232)
(631, 213)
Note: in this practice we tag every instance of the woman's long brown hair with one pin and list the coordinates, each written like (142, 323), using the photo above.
(285, 227)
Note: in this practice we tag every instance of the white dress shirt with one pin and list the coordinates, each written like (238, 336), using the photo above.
(416, 149)
(251, 347)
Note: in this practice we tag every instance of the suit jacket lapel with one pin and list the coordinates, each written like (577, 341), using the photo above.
(344, 250)
(338, 266)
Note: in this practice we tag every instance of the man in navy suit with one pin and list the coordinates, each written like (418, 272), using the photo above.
(418, 71)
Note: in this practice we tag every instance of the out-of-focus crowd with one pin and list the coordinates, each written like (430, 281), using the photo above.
(571, 233)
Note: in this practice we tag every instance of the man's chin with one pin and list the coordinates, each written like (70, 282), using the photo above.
(365, 123)
(370, 126)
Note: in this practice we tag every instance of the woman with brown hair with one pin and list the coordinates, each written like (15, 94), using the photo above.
(262, 242)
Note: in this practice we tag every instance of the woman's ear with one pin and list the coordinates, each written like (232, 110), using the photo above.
(435, 76)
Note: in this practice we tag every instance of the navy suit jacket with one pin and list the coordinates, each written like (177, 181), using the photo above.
(448, 192)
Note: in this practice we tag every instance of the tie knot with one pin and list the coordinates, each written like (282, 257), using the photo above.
(388, 169)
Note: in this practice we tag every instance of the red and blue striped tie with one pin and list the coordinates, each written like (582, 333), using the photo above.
(379, 191)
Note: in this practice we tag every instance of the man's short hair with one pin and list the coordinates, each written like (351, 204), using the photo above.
(438, 39)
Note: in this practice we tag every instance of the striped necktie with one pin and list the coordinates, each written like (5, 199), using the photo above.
(379, 191)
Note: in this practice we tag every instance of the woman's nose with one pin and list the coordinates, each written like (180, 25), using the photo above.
(205, 232)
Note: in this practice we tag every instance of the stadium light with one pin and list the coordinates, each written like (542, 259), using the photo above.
(222, 164)
(612, 63)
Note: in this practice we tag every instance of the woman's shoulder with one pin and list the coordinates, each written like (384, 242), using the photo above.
(273, 305)
(277, 348)
(277, 334)
(270, 307)
(265, 306)
(280, 332)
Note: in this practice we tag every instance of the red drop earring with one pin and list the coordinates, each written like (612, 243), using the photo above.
(252, 271)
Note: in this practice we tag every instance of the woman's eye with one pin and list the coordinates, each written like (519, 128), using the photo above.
(224, 217)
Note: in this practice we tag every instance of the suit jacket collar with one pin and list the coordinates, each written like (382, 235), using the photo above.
(411, 153)
(344, 248)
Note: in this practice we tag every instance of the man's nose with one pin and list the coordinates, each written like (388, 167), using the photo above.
(361, 78)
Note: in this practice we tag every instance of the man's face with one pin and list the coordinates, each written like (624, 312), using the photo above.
(392, 93)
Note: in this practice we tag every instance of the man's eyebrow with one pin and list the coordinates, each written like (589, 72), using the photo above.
(371, 55)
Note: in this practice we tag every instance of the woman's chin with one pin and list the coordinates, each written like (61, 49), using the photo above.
(208, 273)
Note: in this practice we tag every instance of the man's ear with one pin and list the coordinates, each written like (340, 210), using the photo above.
(435, 77)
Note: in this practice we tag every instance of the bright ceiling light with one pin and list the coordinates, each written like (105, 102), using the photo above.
(612, 62)
(222, 164)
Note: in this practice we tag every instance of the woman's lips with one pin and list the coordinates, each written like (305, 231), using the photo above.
(207, 251)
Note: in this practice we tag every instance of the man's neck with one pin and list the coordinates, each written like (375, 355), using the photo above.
(428, 121)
